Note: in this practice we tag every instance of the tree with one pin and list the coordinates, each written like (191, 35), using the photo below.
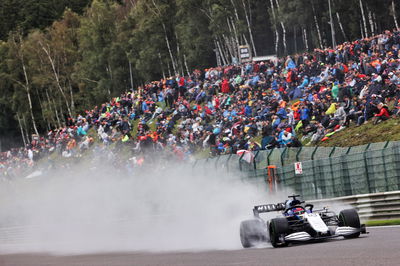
(96, 70)
(18, 51)
(33, 14)
(8, 126)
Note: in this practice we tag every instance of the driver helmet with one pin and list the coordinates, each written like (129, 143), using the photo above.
(291, 203)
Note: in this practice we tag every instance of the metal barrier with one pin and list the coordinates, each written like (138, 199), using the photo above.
(377, 206)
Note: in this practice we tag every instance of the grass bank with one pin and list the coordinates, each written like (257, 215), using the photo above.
(382, 222)
(364, 134)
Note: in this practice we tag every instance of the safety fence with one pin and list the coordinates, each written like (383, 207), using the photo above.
(324, 172)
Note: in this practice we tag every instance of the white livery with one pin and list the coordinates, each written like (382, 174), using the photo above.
(298, 223)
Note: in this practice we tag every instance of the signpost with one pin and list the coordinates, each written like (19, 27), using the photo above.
(245, 54)
(298, 168)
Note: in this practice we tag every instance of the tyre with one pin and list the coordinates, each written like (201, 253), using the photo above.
(350, 218)
(252, 232)
(278, 228)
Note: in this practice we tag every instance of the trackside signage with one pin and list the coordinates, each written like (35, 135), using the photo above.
(245, 53)
(298, 168)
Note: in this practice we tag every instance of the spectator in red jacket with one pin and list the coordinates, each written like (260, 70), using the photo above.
(382, 115)
(225, 86)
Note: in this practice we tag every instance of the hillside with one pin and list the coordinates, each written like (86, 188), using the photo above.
(367, 133)
(102, 48)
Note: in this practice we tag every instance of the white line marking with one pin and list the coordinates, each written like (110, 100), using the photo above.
(384, 226)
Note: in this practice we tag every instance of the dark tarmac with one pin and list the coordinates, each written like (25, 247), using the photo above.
(380, 247)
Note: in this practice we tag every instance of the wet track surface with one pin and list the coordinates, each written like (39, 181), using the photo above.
(380, 247)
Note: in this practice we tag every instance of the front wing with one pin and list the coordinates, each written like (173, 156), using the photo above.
(340, 231)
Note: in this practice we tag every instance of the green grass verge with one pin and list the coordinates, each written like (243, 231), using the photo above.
(367, 133)
(383, 222)
(202, 154)
(134, 125)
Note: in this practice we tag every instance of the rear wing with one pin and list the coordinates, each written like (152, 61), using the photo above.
(268, 208)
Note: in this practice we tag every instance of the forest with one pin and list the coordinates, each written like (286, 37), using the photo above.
(60, 58)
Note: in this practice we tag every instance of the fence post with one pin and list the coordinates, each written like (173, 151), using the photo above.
(313, 153)
(254, 160)
(282, 164)
(313, 170)
(345, 180)
(240, 161)
(283, 153)
(331, 171)
(269, 154)
(227, 162)
(366, 168)
(384, 166)
(332, 151)
(298, 152)
(345, 174)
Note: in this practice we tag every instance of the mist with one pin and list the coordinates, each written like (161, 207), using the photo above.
(156, 209)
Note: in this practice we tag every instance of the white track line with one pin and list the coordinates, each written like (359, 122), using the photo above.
(384, 226)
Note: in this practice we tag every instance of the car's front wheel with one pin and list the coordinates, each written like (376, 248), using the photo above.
(252, 232)
(350, 218)
(278, 229)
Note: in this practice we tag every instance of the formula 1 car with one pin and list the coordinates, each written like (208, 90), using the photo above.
(298, 223)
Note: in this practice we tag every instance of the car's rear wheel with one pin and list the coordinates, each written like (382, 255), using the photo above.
(278, 229)
(350, 218)
(252, 232)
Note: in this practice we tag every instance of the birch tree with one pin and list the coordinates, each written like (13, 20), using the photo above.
(51, 60)
(157, 12)
(394, 15)
(371, 21)
(274, 22)
(249, 29)
(341, 27)
(237, 20)
(283, 29)
(316, 25)
(363, 18)
(21, 128)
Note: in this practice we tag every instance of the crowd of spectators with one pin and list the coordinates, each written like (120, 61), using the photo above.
(251, 106)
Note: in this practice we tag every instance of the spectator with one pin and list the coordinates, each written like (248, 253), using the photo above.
(382, 115)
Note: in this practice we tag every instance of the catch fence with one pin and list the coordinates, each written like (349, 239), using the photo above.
(325, 172)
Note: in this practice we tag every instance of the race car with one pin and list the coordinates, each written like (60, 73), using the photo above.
(298, 222)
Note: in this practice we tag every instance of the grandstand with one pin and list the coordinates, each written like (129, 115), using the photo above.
(301, 99)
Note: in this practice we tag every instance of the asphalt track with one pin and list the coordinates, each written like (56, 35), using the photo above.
(380, 247)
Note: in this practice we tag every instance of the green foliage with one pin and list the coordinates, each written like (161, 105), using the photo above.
(96, 36)
(34, 14)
